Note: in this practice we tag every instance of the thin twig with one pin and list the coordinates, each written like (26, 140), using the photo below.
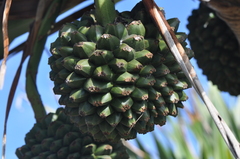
(5, 40)
(9, 104)
(3, 66)
(180, 56)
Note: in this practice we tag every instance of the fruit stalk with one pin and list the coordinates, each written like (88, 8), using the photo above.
(105, 11)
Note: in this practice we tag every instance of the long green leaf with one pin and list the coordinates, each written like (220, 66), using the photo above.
(163, 150)
(141, 147)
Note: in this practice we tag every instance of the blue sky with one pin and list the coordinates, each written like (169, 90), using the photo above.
(21, 117)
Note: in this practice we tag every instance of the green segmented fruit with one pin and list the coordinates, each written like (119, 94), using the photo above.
(216, 49)
(121, 78)
(83, 49)
(122, 104)
(56, 137)
(105, 111)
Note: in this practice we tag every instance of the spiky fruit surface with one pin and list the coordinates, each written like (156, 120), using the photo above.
(55, 137)
(216, 49)
(119, 79)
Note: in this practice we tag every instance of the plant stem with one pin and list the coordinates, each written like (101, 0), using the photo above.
(36, 43)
